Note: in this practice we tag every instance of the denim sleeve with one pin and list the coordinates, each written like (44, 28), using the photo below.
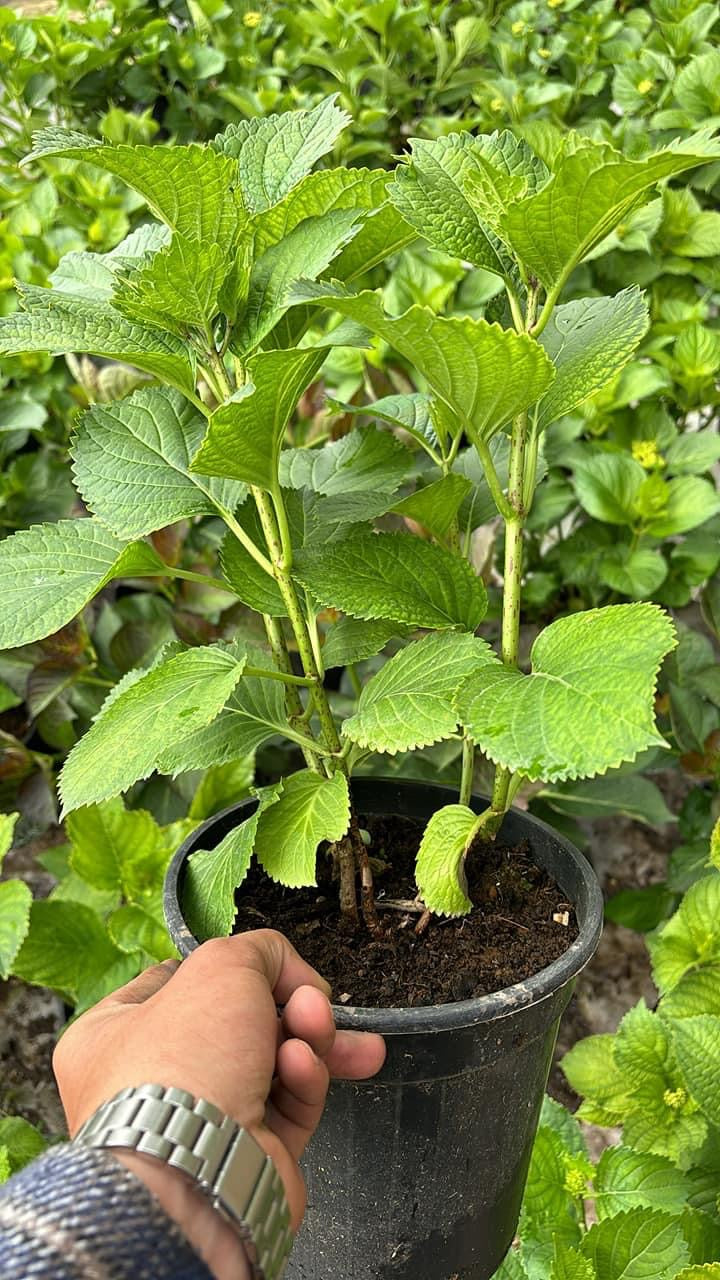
(78, 1214)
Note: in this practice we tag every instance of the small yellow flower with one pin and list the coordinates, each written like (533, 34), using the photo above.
(647, 454)
(575, 1183)
(545, 53)
(675, 1099)
(645, 86)
(554, 4)
(252, 18)
(518, 28)
(496, 104)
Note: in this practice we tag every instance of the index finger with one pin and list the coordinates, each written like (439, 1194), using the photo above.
(263, 951)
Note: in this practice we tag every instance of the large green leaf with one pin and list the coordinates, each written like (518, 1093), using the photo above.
(305, 252)
(136, 930)
(275, 152)
(117, 848)
(626, 1179)
(637, 1245)
(176, 289)
(607, 486)
(439, 868)
(589, 341)
(319, 193)
(394, 576)
(691, 939)
(130, 735)
(310, 809)
(49, 572)
(482, 374)
(410, 412)
(213, 875)
(67, 947)
(15, 903)
(409, 702)
(697, 1045)
(245, 436)
(189, 188)
(689, 501)
(592, 189)
(364, 460)
(453, 189)
(62, 324)
(586, 707)
(132, 463)
(254, 712)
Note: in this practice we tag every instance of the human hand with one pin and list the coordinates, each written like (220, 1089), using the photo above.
(210, 1025)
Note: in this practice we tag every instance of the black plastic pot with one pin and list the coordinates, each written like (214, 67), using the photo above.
(419, 1173)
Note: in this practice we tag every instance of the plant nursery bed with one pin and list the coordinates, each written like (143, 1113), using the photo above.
(510, 934)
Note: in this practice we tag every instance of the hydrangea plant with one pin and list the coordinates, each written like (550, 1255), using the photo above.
(217, 301)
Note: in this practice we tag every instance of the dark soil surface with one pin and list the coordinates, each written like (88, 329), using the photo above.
(509, 935)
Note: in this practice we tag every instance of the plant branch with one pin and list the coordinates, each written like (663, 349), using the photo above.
(468, 770)
(493, 480)
(205, 578)
(298, 716)
(246, 541)
(300, 681)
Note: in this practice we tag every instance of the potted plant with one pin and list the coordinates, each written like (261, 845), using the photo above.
(421, 1172)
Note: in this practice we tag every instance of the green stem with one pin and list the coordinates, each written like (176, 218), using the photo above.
(297, 715)
(264, 674)
(297, 619)
(235, 527)
(205, 578)
(536, 327)
(354, 679)
(468, 770)
(493, 480)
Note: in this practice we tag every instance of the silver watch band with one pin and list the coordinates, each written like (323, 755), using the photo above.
(225, 1161)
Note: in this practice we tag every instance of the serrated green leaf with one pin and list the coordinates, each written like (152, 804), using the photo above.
(275, 152)
(132, 463)
(409, 412)
(607, 486)
(310, 809)
(482, 374)
(592, 1072)
(697, 1045)
(545, 1191)
(689, 501)
(439, 869)
(351, 640)
(568, 1264)
(394, 576)
(691, 938)
(319, 193)
(553, 1115)
(709, 1271)
(589, 341)
(63, 324)
(698, 991)
(436, 506)
(409, 702)
(245, 435)
(254, 712)
(629, 794)
(49, 572)
(15, 903)
(114, 848)
(702, 1233)
(626, 1179)
(189, 188)
(66, 947)
(636, 574)
(305, 252)
(176, 289)
(586, 707)
(365, 460)
(511, 1268)
(22, 1141)
(248, 579)
(213, 875)
(693, 452)
(7, 830)
(592, 189)
(637, 1245)
(163, 707)
(132, 929)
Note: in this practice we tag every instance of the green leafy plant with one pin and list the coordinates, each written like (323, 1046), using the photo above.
(648, 1205)
(212, 301)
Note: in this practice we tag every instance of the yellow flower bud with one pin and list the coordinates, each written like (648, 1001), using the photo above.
(545, 53)
(647, 454)
(252, 18)
(554, 4)
(675, 1099)
(518, 28)
(645, 86)
(496, 104)
(575, 1183)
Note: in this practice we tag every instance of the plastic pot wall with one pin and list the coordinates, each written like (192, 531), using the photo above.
(419, 1173)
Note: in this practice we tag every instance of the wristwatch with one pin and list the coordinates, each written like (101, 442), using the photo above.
(224, 1160)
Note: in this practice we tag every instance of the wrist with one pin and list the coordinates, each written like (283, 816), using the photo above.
(214, 1239)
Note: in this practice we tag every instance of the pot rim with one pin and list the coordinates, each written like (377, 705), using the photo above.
(406, 1020)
